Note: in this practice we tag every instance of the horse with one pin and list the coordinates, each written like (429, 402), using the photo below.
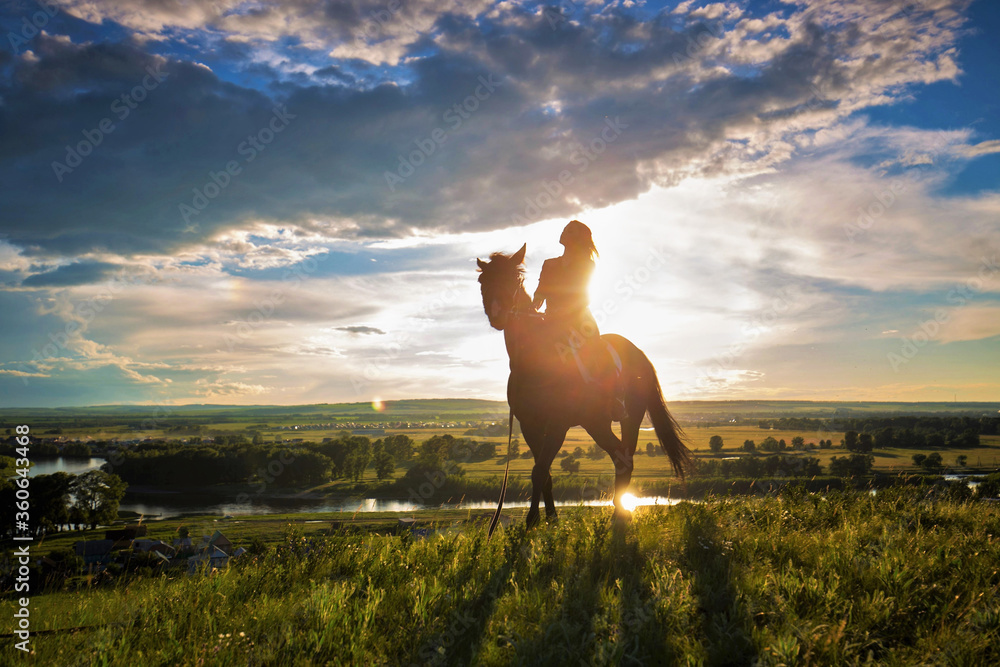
(548, 395)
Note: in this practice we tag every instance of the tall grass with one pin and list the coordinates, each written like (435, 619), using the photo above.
(892, 578)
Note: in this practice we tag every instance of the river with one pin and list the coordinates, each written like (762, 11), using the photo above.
(168, 504)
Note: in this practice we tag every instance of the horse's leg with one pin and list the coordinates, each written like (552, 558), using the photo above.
(554, 439)
(534, 436)
(541, 475)
(550, 503)
(606, 439)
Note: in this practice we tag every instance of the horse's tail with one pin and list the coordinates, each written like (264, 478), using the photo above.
(668, 432)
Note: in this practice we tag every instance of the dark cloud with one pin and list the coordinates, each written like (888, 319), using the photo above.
(610, 103)
(361, 330)
(80, 273)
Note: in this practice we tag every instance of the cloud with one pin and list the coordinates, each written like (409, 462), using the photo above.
(982, 148)
(972, 323)
(611, 104)
(79, 273)
(362, 330)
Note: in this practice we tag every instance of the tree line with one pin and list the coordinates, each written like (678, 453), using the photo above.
(237, 460)
(61, 499)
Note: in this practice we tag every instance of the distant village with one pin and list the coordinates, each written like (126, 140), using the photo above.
(210, 553)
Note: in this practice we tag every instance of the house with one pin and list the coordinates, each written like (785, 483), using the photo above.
(94, 551)
(183, 545)
(220, 541)
(155, 546)
(210, 559)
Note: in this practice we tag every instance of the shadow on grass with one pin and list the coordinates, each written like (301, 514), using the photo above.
(725, 620)
(605, 615)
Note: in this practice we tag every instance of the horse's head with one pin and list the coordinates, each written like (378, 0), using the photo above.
(500, 281)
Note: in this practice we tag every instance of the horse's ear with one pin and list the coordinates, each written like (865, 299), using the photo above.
(518, 257)
(482, 264)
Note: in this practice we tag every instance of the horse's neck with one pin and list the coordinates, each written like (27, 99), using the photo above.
(517, 334)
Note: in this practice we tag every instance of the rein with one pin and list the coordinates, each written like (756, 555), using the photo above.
(510, 424)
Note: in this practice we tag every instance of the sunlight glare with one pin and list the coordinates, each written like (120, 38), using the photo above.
(629, 502)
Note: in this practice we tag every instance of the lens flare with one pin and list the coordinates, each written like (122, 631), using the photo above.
(629, 502)
(378, 405)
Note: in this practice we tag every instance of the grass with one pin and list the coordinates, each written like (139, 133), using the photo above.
(847, 578)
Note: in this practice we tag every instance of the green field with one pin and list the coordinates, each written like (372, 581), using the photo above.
(656, 469)
(124, 421)
(851, 578)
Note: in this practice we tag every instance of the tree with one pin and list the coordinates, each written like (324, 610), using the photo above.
(918, 459)
(570, 465)
(97, 496)
(850, 441)
(76, 450)
(855, 464)
(650, 449)
(400, 446)
(933, 462)
(865, 443)
(715, 444)
(384, 465)
(883, 438)
(50, 499)
(749, 446)
(769, 444)
(798, 443)
(359, 454)
(961, 460)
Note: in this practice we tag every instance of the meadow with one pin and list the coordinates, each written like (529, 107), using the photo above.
(894, 578)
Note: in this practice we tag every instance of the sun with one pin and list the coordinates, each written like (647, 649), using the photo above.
(378, 405)
(629, 502)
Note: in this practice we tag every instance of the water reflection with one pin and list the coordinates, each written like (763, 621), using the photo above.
(71, 466)
(175, 507)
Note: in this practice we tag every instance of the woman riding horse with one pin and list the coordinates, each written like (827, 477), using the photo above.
(562, 286)
(547, 400)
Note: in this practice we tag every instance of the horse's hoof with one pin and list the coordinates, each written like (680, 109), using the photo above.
(552, 518)
(532, 520)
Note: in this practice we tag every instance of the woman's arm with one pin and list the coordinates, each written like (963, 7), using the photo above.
(541, 292)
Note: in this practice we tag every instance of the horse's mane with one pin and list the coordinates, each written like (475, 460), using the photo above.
(502, 255)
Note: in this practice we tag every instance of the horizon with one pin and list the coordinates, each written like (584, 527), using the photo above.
(385, 405)
(276, 205)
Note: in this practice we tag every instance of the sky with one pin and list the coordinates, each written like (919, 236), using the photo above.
(282, 202)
